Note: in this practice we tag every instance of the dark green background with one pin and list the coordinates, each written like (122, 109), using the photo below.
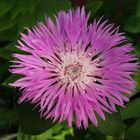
(21, 121)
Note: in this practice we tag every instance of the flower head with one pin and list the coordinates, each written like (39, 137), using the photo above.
(74, 70)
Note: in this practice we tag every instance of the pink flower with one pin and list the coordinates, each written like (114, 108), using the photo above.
(73, 70)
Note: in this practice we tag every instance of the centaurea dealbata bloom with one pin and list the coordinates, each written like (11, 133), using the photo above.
(75, 70)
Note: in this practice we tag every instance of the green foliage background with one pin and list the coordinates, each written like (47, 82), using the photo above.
(21, 122)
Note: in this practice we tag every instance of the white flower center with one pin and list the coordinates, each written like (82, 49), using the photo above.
(76, 68)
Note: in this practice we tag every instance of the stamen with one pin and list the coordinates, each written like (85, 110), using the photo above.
(76, 68)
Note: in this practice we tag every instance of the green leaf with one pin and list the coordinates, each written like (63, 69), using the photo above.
(23, 136)
(51, 134)
(6, 5)
(11, 79)
(7, 117)
(137, 79)
(6, 22)
(111, 125)
(63, 134)
(137, 50)
(51, 7)
(5, 54)
(3, 69)
(9, 34)
(109, 8)
(12, 48)
(138, 82)
(93, 6)
(133, 132)
(132, 25)
(23, 7)
(138, 8)
(89, 134)
(131, 110)
(26, 20)
(30, 121)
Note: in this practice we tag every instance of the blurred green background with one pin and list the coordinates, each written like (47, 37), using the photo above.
(21, 122)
